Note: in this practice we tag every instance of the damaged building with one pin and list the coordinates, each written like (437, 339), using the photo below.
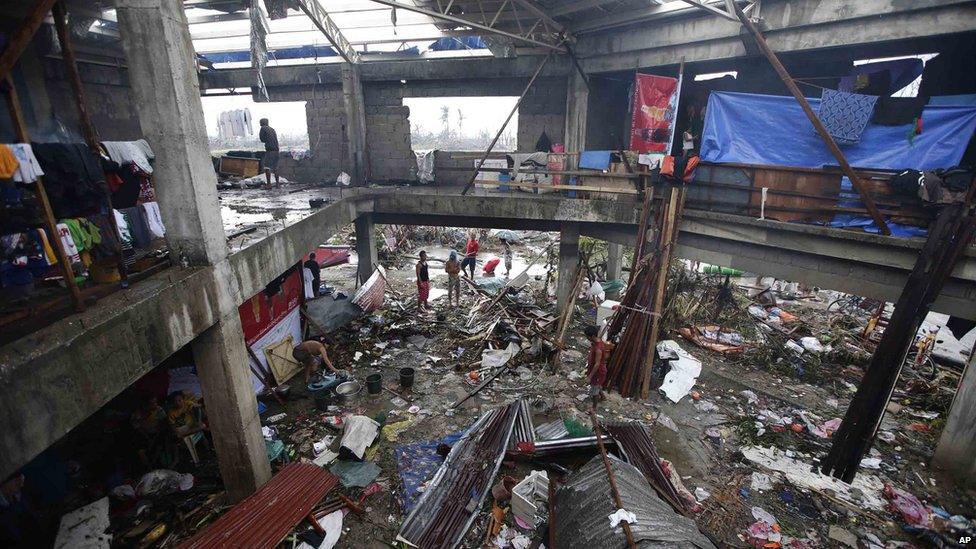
(487, 273)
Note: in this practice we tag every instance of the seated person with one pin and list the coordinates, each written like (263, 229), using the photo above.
(184, 413)
(311, 354)
(149, 422)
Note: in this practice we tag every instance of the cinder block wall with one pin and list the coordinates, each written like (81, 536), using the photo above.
(388, 146)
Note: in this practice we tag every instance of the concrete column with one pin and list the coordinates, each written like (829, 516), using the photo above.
(166, 89)
(165, 86)
(365, 247)
(577, 99)
(569, 235)
(221, 359)
(956, 451)
(352, 98)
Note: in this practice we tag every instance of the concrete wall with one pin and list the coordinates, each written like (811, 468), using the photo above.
(389, 150)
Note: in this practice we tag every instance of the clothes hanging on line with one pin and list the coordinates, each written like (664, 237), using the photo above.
(235, 123)
(898, 111)
(153, 220)
(123, 226)
(845, 115)
(73, 178)
(68, 243)
(28, 169)
(8, 163)
(135, 152)
(138, 226)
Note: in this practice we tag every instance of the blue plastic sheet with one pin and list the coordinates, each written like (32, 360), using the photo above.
(595, 160)
(773, 130)
(416, 464)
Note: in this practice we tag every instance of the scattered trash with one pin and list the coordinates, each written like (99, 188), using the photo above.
(622, 515)
(845, 537)
(530, 496)
(355, 473)
(761, 482)
(702, 494)
(358, 434)
(685, 370)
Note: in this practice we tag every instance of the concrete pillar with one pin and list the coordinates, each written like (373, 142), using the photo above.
(165, 86)
(569, 235)
(956, 451)
(577, 99)
(365, 247)
(166, 89)
(232, 411)
(352, 98)
(615, 255)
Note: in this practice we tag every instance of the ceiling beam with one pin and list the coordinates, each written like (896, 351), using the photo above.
(538, 12)
(712, 9)
(469, 23)
(676, 7)
(568, 8)
(321, 19)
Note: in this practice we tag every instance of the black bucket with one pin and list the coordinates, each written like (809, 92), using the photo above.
(374, 384)
(406, 377)
(323, 399)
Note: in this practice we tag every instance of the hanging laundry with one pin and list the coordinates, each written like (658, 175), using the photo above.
(28, 169)
(234, 124)
(123, 226)
(68, 243)
(845, 115)
(153, 219)
(138, 227)
(131, 152)
(8, 163)
(108, 244)
(73, 178)
(898, 111)
(41, 238)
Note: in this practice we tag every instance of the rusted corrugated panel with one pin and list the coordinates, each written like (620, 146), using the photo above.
(524, 430)
(636, 445)
(264, 518)
(455, 494)
(586, 500)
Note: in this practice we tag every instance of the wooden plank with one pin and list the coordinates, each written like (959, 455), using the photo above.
(800, 183)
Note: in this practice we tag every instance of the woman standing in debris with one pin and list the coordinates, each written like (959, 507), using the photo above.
(508, 257)
(470, 254)
(423, 282)
(453, 269)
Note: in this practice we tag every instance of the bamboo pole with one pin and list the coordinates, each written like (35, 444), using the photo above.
(815, 120)
(518, 103)
(20, 129)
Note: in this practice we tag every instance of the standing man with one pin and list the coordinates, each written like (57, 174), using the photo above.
(508, 257)
(313, 265)
(423, 282)
(453, 269)
(311, 353)
(470, 254)
(269, 161)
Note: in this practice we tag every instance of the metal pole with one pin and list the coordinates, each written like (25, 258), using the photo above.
(505, 123)
(815, 120)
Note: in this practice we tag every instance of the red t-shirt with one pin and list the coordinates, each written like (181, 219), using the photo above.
(472, 249)
(597, 371)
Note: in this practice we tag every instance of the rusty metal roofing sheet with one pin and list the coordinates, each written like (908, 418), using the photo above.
(266, 516)
(585, 501)
(454, 496)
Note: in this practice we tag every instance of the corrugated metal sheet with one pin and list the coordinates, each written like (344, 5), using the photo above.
(636, 446)
(585, 501)
(455, 494)
(524, 430)
(265, 517)
(554, 430)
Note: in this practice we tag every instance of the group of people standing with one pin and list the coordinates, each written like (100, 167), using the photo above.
(455, 269)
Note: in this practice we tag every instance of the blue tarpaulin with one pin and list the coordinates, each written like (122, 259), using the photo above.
(773, 130)
(595, 160)
(416, 464)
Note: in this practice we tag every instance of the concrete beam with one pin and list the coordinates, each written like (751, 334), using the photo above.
(380, 71)
(577, 105)
(793, 25)
(355, 106)
(366, 247)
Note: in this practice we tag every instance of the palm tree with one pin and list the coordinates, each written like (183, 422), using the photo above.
(445, 119)
(460, 122)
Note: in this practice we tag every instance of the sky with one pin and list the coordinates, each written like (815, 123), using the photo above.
(287, 118)
(480, 113)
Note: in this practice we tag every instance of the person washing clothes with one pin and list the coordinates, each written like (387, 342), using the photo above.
(453, 269)
(470, 254)
(269, 161)
(311, 354)
(423, 282)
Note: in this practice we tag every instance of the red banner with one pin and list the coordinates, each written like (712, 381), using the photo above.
(263, 311)
(655, 100)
